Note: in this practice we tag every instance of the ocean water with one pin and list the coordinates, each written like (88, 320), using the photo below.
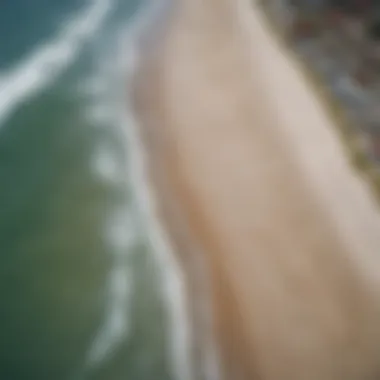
(88, 287)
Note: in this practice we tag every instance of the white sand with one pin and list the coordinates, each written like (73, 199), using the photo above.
(291, 233)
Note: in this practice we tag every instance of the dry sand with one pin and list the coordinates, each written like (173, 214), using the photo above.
(249, 168)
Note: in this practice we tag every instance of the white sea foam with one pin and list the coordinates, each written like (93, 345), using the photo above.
(101, 92)
(172, 280)
(44, 64)
(94, 86)
(99, 115)
(122, 233)
(115, 327)
(173, 285)
(121, 237)
(106, 166)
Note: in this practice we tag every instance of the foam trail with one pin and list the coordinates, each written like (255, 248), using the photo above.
(43, 66)
(123, 234)
(173, 287)
(106, 166)
(122, 237)
(115, 326)
(171, 275)
(120, 231)
(93, 86)
(99, 115)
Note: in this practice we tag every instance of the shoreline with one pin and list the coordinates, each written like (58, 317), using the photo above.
(249, 327)
(173, 293)
(222, 329)
(203, 352)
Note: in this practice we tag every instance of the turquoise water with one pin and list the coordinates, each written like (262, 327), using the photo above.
(79, 282)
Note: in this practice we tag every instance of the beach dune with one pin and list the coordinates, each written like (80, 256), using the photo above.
(290, 234)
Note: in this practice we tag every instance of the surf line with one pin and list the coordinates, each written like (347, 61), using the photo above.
(172, 277)
(42, 67)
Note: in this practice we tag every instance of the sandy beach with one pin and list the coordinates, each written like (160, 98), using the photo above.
(252, 178)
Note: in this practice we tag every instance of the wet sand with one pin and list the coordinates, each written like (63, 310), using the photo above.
(251, 177)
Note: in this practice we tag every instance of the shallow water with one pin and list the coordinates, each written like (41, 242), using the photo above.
(79, 280)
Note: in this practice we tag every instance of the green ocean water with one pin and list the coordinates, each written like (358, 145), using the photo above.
(79, 285)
